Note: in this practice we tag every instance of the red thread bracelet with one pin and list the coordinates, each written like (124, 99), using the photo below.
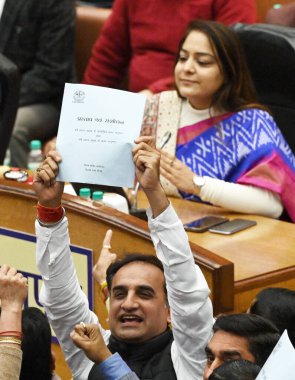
(48, 214)
(11, 333)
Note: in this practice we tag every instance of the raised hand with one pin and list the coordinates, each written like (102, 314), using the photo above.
(106, 258)
(48, 190)
(89, 339)
(13, 287)
(13, 292)
(147, 162)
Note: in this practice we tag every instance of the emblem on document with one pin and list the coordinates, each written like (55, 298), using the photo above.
(79, 96)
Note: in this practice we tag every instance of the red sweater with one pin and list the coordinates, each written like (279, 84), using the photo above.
(144, 36)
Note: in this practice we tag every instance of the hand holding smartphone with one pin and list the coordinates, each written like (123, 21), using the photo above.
(203, 224)
(233, 226)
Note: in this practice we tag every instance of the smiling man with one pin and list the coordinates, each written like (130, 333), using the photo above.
(140, 308)
(140, 305)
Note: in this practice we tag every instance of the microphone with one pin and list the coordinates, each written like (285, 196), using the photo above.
(141, 213)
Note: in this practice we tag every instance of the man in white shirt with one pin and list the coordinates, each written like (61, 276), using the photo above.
(139, 313)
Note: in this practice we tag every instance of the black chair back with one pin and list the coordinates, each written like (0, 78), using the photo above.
(9, 95)
(270, 52)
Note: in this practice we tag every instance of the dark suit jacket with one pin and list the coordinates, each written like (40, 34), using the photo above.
(38, 35)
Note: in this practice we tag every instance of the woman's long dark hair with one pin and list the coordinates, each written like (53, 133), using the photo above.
(238, 91)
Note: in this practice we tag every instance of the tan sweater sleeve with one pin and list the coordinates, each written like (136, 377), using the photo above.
(10, 362)
(241, 198)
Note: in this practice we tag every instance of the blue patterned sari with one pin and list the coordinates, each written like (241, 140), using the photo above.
(246, 147)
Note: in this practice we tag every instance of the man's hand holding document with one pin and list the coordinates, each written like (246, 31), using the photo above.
(96, 132)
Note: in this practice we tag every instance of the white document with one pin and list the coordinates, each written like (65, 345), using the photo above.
(96, 134)
(281, 362)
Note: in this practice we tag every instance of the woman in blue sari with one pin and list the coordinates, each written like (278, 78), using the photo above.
(225, 148)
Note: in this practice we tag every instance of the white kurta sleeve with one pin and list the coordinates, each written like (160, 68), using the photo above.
(65, 303)
(188, 295)
(241, 198)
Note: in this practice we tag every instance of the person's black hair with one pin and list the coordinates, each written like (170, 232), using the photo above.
(277, 305)
(262, 335)
(131, 258)
(238, 91)
(235, 370)
(36, 345)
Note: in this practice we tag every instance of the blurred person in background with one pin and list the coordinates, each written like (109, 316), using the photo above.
(240, 336)
(38, 360)
(236, 370)
(141, 37)
(38, 36)
(277, 305)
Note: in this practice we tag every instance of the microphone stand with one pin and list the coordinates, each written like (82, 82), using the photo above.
(141, 212)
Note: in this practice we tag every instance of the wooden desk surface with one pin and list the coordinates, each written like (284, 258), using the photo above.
(260, 250)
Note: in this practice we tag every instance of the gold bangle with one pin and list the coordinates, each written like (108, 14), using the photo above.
(10, 341)
(103, 285)
(9, 337)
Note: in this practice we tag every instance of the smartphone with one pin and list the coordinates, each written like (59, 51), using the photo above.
(203, 224)
(233, 226)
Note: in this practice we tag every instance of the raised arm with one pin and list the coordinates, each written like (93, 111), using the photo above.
(61, 294)
(188, 292)
(13, 291)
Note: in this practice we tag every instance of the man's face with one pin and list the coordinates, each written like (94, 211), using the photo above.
(225, 346)
(138, 309)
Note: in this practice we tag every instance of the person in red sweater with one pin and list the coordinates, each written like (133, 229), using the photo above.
(143, 36)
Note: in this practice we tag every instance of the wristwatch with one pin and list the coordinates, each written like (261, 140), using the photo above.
(198, 181)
